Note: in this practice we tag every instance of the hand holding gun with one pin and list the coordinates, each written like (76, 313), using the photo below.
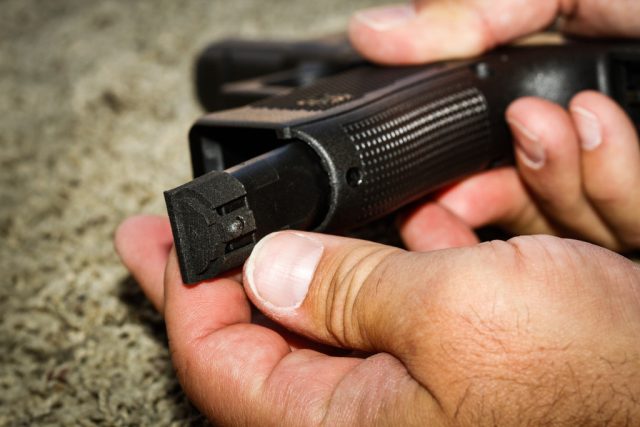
(334, 142)
(538, 329)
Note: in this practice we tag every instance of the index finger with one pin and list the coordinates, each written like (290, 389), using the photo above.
(239, 373)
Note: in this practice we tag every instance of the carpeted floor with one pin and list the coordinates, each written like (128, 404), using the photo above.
(96, 100)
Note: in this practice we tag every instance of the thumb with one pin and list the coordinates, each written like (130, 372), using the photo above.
(437, 29)
(345, 292)
(374, 298)
(430, 30)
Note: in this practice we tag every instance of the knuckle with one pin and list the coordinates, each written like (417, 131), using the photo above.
(529, 247)
(496, 346)
(352, 279)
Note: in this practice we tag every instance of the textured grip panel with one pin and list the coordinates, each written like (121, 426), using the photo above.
(418, 144)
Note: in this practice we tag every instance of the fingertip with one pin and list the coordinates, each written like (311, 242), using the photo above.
(384, 18)
(137, 231)
(400, 35)
(143, 244)
(590, 110)
(280, 269)
(610, 119)
(492, 197)
(602, 122)
(122, 240)
(432, 227)
(543, 118)
(543, 133)
(387, 47)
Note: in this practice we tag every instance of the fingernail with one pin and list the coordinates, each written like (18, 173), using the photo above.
(528, 145)
(588, 127)
(281, 267)
(386, 18)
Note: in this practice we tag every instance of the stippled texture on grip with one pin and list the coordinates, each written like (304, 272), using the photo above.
(419, 143)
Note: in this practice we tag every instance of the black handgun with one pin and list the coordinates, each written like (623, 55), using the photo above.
(329, 142)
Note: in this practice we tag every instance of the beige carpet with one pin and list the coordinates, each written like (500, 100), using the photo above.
(95, 103)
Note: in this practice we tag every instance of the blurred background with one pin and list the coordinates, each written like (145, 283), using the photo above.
(96, 102)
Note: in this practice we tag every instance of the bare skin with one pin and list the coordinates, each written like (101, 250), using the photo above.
(536, 330)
